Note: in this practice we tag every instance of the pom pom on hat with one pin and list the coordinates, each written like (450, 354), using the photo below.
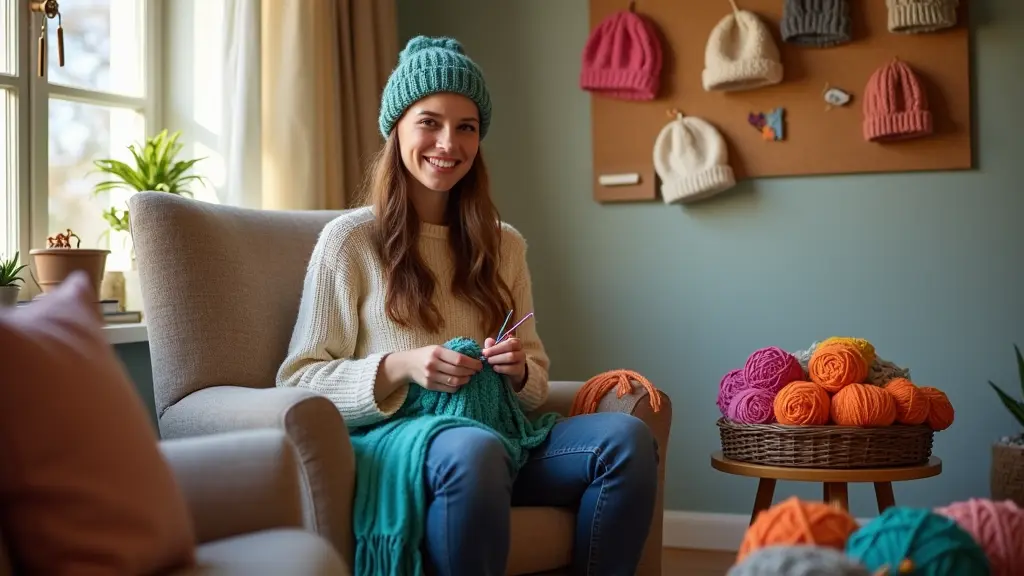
(622, 58)
(918, 16)
(820, 23)
(741, 54)
(691, 158)
(427, 66)
(895, 104)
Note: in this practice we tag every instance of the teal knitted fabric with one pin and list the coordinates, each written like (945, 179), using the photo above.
(427, 66)
(390, 502)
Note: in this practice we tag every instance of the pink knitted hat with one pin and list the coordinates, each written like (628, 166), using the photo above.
(622, 58)
(895, 105)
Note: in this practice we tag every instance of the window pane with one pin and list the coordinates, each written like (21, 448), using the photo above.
(8, 173)
(103, 46)
(8, 38)
(79, 134)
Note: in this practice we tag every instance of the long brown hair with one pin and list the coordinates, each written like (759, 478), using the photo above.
(474, 238)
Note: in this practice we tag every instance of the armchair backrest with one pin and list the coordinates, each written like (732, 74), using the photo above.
(221, 287)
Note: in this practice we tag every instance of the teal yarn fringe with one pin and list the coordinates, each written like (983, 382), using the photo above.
(390, 501)
(919, 542)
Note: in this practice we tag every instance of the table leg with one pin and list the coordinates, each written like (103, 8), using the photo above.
(763, 500)
(884, 496)
(837, 495)
(824, 492)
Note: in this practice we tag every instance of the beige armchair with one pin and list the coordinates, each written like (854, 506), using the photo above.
(221, 287)
(243, 491)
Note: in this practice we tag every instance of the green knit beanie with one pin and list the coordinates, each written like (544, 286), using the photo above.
(427, 66)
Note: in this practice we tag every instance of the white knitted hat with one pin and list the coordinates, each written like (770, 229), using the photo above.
(691, 158)
(741, 54)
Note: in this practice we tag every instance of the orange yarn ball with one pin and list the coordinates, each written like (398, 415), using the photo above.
(866, 349)
(912, 405)
(863, 405)
(940, 410)
(836, 365)
(802, 404)
(794, 522)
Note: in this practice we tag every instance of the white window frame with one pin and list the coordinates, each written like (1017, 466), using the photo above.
(33, 97)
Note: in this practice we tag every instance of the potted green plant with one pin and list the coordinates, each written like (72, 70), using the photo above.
(1006, 477)
(156, 168)
(10, 280)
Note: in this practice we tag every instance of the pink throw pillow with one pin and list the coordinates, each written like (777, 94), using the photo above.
(84, 488)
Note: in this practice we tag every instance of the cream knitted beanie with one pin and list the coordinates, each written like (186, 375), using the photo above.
(741, 54)
(917, 16)
(691, 158)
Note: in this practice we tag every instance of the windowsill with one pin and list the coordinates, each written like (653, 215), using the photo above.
(126, 333)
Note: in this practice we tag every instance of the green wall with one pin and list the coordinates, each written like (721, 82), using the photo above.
(927, 265)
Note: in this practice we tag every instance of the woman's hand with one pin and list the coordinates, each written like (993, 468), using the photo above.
(439, 368)
(507, 357)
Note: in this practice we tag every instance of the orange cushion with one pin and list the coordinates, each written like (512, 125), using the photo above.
(83, 486)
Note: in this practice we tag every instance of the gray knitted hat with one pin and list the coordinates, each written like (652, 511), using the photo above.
(820, 23)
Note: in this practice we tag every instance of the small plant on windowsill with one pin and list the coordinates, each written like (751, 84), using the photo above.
(1007, 474)
(59, 259)
(10, 280)
(156, 168)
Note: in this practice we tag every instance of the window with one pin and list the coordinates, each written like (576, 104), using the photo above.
(102, 100)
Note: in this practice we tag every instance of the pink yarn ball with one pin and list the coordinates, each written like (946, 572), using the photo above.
(998, 527)
(753, 406)
(771, 369)
(729, 386)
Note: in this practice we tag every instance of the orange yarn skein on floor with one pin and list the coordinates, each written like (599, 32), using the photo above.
(912, 405)
(836, 365)
(802, 404)
(863, 405)
(589, 395)
(795, 522)
(940, 409)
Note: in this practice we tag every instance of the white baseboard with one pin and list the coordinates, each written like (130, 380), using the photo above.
(708, 530)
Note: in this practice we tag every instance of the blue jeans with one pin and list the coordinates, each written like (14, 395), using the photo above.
(603, 466)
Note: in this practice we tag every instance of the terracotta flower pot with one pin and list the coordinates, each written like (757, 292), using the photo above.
(9, 296)
(53, 265)
(1006, 477)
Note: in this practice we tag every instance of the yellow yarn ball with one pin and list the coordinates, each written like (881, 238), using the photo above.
(866, 349)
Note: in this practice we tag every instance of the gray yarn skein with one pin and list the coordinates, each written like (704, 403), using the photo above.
(799, 560)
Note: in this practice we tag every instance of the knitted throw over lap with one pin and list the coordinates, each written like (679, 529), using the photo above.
(390, 502)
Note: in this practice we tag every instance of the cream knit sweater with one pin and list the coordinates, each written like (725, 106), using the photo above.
(343, 332)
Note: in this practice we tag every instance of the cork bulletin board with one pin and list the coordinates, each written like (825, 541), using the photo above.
(818, 139)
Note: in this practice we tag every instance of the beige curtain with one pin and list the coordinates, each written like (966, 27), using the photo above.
(322, 66)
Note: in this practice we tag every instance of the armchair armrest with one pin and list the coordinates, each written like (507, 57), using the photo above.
(314, 426)
(636, 403)
(238, 482)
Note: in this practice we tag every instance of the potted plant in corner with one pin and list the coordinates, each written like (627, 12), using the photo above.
(10, 280)
(58, 260)
(156, 169)
(1006, 477)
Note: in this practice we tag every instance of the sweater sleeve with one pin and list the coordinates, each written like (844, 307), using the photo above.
(535, 391)
(320, 354)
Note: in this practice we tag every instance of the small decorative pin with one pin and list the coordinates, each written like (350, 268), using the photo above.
(835, 97)
(770, 124)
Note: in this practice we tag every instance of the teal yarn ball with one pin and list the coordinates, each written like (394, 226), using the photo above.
(917, 542)
(429, 65)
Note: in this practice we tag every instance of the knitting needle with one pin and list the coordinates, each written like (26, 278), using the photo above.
(510, 330)
(503, 324)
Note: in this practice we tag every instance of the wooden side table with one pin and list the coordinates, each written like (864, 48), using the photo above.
(833, 481)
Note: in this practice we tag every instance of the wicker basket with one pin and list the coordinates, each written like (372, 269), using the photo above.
(1007, 474)
(842, 447)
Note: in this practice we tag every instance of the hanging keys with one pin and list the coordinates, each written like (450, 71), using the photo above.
(50, 10)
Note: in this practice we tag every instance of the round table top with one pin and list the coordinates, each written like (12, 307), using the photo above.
(897, 474)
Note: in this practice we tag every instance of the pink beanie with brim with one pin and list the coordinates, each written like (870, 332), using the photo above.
(622, 58)
(895, 105)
